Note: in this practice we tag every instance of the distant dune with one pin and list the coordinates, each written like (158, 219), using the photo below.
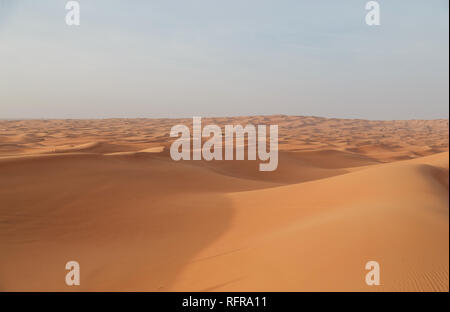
(106, 194)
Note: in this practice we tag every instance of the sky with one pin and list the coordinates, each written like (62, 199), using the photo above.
(184, 58)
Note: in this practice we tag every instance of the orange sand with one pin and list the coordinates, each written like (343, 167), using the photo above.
(106, 194)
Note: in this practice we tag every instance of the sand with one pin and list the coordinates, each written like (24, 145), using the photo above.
(106, 194)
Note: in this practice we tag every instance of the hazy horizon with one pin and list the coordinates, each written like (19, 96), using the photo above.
(159, 59)
(220, 116)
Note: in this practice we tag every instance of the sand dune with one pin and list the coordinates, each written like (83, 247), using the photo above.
(106, 193)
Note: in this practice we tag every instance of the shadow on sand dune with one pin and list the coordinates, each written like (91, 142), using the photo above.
(131, 223)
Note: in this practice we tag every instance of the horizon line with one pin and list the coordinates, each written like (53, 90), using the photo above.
(224, 116)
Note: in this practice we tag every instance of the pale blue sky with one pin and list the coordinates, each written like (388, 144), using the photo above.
(172, 58)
